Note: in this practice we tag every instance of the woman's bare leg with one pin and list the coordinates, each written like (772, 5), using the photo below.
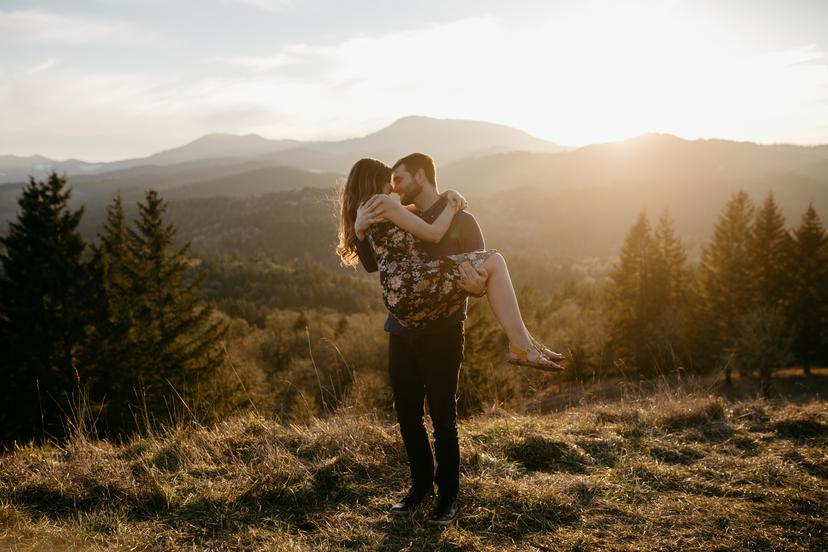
(503, 301)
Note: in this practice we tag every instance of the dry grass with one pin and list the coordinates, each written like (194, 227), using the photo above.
(662, 472)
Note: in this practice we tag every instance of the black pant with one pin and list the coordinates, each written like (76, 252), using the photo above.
(428, 366)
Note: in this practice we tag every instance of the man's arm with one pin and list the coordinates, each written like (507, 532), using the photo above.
(471, 239)
(366, 255)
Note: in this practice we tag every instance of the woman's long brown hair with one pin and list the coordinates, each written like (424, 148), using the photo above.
(367, 177)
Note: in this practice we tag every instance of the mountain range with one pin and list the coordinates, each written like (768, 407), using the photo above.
(526, 193)
(446, 140)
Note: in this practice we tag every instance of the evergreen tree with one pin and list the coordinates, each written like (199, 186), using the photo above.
(175, 343)
(669, 263)
(725, 278)
(668, 289)
(631, 305)
(42, 311)
(769, 248)
(808, 308)
(111, 349)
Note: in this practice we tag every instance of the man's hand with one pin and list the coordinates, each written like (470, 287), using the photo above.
(368, 213)
(473, 280)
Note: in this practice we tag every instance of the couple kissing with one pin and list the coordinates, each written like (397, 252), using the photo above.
(431, 256)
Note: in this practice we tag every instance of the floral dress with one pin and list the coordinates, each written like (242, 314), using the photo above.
(416, 288)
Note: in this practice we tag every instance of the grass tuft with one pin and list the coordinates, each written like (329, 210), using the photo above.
(537, 452)
(802, 427)
(665, 471)
(680, 415)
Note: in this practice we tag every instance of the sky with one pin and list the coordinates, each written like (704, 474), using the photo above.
(101, 80)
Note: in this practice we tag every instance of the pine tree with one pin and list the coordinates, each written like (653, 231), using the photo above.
(42, 310)
(630, 303)
(725, 278)
(111, 350)
(668, 289)
(176, 343)
(808, 308)
(768, 251)
(670, 262)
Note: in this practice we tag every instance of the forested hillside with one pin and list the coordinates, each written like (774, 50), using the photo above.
(243, 303)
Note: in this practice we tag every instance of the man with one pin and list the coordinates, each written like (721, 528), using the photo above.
(424, 363)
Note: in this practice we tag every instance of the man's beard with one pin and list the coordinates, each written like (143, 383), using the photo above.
(412, 191)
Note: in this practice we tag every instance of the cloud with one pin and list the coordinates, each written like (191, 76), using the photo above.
(64, 112)
(594, 74)
(48, 64)
(275, 6)
(291, 55)
(421, 62)
(51, 27)
(579, 78)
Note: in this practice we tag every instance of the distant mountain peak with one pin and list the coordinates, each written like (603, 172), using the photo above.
(430, 134)
(36, 158)
(226, 136)
(409, 118)
(422, 120)
(655, 137)
(663, 135)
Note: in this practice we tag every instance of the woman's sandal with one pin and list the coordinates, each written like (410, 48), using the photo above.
(547, 352)
(532, 357)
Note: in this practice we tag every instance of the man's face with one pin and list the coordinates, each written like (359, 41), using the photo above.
(405, 185)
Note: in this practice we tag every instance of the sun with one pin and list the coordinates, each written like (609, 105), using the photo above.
(610, 71)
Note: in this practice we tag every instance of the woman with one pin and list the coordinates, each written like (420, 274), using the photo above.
(417, 289)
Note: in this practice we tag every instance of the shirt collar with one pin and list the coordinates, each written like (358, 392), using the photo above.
(430, 214)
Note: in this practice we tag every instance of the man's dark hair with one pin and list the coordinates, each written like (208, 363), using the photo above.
(416, 161)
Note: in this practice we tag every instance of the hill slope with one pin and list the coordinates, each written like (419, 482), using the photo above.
(647, 158)
(664, 473)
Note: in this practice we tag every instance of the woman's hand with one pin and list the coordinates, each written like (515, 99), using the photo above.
(394, 212)
(369, 213)
(455, 200)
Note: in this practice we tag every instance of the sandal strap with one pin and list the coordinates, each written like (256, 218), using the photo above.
(521, 357)
(523, 354)
(546, 351)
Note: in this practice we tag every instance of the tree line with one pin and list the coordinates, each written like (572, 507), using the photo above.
(115, 327)
(756, 301)
(250, 288)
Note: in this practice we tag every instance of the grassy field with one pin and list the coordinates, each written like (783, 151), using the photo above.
(664, 470)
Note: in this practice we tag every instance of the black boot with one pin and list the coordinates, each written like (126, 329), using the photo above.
(411, 500)
(445, 512)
